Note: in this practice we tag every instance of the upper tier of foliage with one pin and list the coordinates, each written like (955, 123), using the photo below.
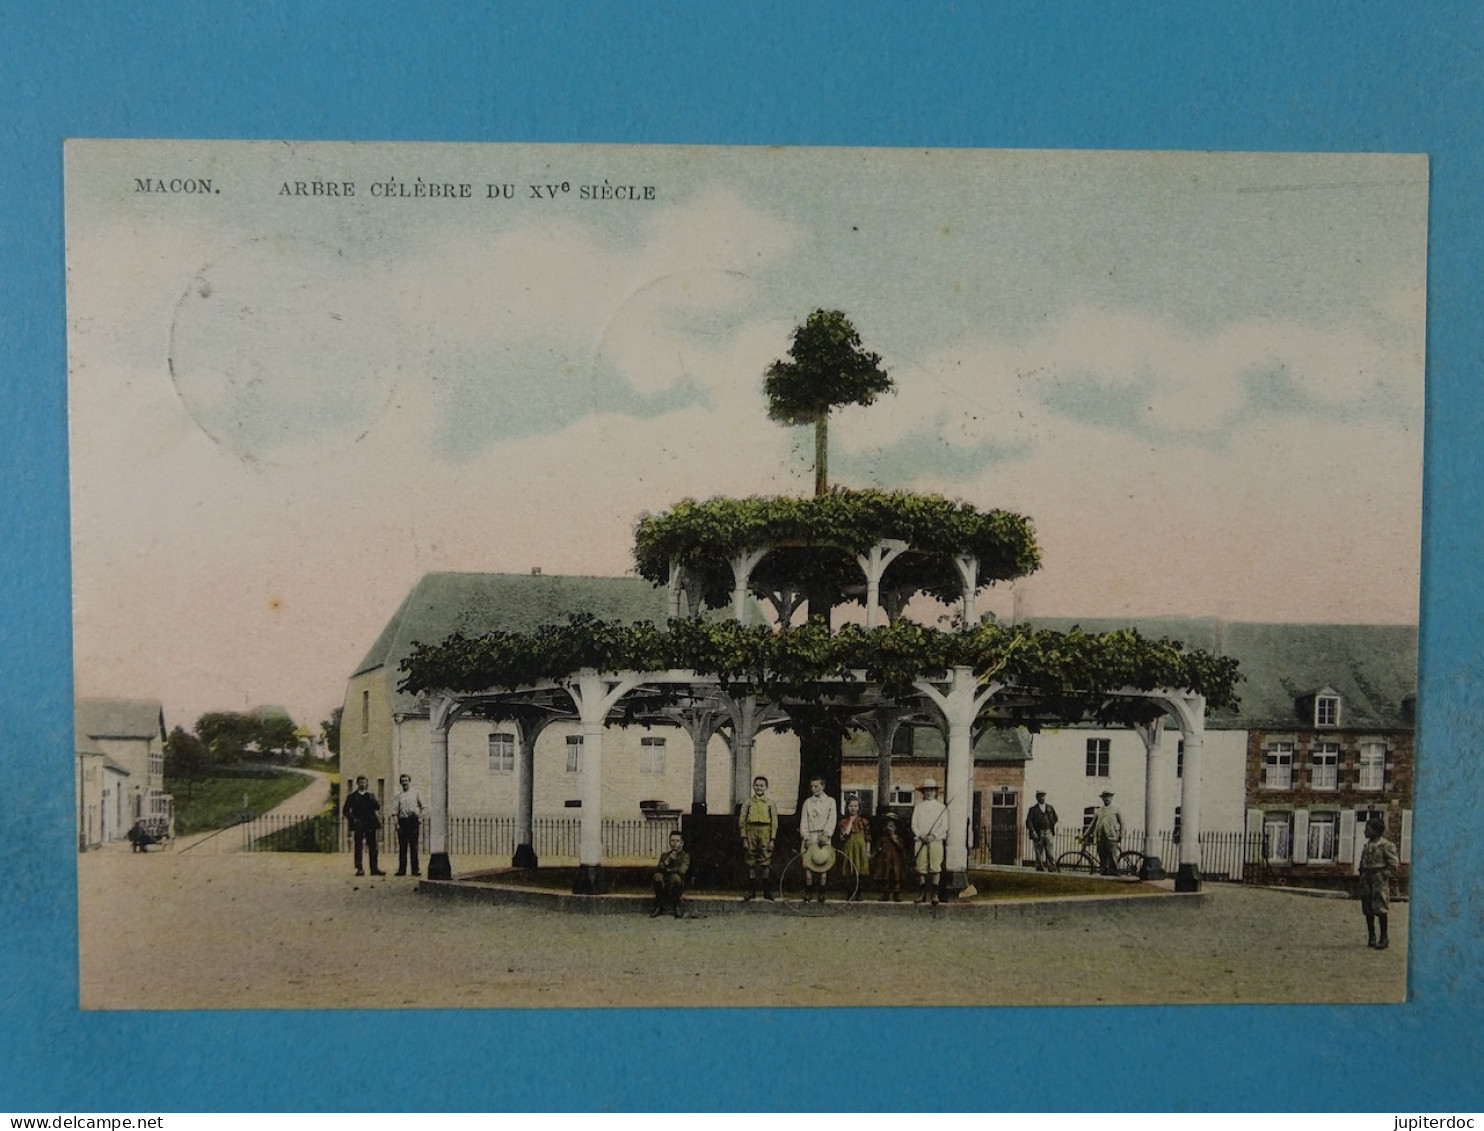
(815, 541)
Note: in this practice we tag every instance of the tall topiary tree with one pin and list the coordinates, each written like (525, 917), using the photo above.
(828, 368)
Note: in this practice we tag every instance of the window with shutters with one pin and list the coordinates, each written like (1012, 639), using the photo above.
(574, 753)
(1322, 829)
(1277, 833)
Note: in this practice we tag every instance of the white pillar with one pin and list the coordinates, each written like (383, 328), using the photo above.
(590, 845)
(873, 564)
(594, 697)
(960, 706)
(1157, 775)
(442, 710)
(672, 589)
(1191, 711)
(742, 567)
(968, 572)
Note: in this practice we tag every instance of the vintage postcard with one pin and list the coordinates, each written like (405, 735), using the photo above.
(621, 572)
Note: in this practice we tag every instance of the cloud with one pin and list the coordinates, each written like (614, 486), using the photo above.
(985, 402)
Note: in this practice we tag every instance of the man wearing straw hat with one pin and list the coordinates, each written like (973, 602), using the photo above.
(929, 825)
(1106, 831)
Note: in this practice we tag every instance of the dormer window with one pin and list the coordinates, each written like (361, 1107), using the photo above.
(1326, 710)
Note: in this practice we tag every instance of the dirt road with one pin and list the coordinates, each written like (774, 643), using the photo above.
(265, 930)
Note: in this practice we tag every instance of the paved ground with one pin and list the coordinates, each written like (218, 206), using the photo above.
(295, 931)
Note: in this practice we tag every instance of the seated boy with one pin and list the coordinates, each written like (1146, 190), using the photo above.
(669, 877)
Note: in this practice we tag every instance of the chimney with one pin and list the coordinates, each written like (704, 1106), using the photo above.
(535, 571)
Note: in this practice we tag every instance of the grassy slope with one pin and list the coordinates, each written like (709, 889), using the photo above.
(215, 803)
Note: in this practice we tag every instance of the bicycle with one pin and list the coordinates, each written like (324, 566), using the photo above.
(1082, 860)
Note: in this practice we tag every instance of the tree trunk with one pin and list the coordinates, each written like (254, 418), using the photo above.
(822, 455)
(820, 753)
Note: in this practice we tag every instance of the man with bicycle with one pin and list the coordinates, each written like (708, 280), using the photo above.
(1106, 831)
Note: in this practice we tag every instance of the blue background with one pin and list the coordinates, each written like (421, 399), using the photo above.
(1277, 76)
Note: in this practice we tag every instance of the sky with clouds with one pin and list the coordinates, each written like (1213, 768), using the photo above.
(1201, 375)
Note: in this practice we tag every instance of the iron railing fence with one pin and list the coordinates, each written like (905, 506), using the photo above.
(1225, 856)
(1234, 856)
(642, 838)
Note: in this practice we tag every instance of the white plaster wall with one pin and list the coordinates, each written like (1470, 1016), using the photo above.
(1058, 764)
(475, 791)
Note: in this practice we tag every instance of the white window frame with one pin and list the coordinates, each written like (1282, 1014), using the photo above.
(501, 760)
(1370, 773)
(651, 755)
(901, 795)
(1088, 816)
(1319, 820)
(574, 753)
(1324, 766)
(1275, 756)
(1099, 757)
(1327, 711)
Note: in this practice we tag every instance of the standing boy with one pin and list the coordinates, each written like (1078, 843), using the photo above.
(1378, 862)
(818, 817)
(757, 821)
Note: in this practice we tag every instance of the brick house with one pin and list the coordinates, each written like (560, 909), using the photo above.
(1330, 743)
(919, 752)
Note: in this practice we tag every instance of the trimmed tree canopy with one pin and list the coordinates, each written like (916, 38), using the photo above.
(827, 368)
(704, 537)
(1071, 673)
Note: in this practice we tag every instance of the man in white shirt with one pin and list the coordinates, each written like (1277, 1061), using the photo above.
(817, 819)
(407, 808)
(929, 826)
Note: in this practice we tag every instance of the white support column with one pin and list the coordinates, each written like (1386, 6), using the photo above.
(594, 696)
(742, 567)
(1190, 710)
(443, 709)
(873, 564)
(531, 726)
(1157, 775)
(747, 718)
(960, 706)
(672, 588)
(968, 572)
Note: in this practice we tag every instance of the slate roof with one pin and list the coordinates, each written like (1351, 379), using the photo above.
(118, 718)
(1373, 667)
(476, 603)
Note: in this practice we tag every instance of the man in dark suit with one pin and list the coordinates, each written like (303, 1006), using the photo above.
(1040, 824)
(363, 812)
